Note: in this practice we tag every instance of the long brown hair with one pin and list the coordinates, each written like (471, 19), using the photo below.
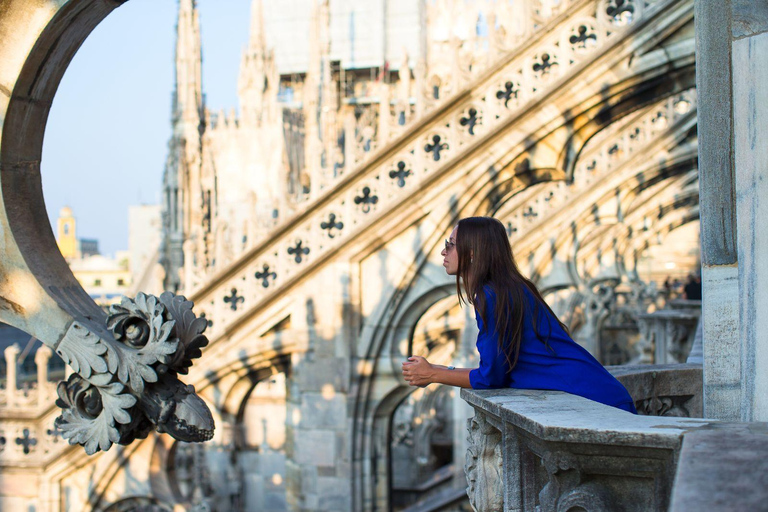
(485, 259)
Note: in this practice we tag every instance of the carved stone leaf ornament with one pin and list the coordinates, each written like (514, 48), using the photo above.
(142, 328)
(483, 465)
(90, 415)
(189, 330)
(127, 382)
(83, 351)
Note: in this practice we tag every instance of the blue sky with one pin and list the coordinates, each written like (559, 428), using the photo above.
(106, 138)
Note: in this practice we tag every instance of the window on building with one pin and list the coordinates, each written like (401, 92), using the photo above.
(66, 229)
(97, 282)
(120, 282)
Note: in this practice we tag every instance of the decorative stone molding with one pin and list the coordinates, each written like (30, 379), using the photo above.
(125, 386)
(483, 466)
(664, 406)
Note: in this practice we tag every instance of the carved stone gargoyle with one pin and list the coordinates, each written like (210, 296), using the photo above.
(127, 363)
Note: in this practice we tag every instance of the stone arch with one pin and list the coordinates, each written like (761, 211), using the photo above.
(395, 391)
(626, 102)
(34, 57)
(235, 380)
(373, 415)
(553, 155)
(155, 445)
(681, 199)
(566, 241)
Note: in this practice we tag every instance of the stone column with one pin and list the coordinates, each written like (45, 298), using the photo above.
(732, 41)
(719, 309)
(11, 353)
(41, 360)
(750, 126)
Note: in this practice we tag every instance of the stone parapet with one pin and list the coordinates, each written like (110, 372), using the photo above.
(664, 390)
(32, 398)
(557, 451)
(723, 469)
(548, 450)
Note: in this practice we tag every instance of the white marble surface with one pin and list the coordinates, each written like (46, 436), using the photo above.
(721, 343)
(558, 416)
(750, 97)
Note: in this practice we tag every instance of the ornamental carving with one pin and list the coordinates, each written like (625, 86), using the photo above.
(676, 406)
(483, 465)
(127, 375)
(568, 488)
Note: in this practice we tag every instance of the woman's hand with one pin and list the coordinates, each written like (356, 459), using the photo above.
(417, 371)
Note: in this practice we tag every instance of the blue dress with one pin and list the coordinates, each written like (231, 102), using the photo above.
(564, 366)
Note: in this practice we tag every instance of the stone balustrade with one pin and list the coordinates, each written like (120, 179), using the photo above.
(556, 451)
(666, 336)
(548, 450)
(33, 397)
(28, 435)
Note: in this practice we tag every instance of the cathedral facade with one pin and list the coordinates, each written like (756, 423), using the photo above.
(306, 227)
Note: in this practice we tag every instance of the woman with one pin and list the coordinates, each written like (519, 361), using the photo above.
(522, 344)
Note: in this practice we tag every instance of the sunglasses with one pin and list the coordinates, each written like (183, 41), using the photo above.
(449, 245)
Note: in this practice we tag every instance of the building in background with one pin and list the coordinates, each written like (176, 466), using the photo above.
(105, 279)
(70, 245)
(144, 238)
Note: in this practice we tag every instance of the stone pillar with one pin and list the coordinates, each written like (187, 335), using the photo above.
(41, 360)
(719, 309)
(731, 44)
(750, 125)
(11, 353)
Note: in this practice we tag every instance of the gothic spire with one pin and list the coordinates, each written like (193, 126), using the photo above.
(257, 43)
(258, 75)
(188, 98)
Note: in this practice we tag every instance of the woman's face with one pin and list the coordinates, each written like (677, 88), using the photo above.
(450, 254)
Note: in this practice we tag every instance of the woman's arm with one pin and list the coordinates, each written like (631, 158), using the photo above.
(417, 371)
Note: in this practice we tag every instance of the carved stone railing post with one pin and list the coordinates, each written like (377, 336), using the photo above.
(696, 355)
(42, 357)
(666, 336)
(483, 465)
(11, 386)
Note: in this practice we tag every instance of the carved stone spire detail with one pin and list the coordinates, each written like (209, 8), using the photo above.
(318, 94)
(258, 82)
(188, 104)
(181, 182)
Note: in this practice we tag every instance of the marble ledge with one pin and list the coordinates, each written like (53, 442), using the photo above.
(562, 417)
